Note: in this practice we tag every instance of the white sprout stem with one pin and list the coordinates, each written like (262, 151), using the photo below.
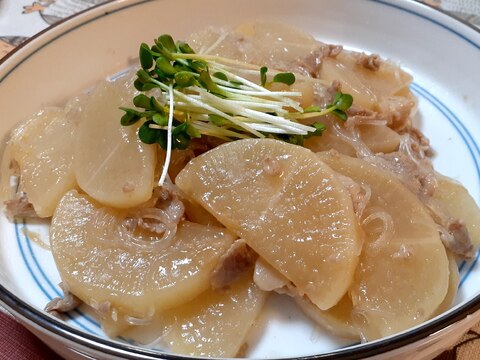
(248, 104)
(243, 80)
(256, 106)
(213, 129)
(216, 111)
(288, 125)
(270, 128)
(211, 109)
(261, 93)
(264, 91)
(245, 100)
(279, 121)
(169, 138)
(203, 119)
(155, 126)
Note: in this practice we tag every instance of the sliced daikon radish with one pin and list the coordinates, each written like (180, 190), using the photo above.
(213, 324)
(135, 273)
(111, 164)
(42, 150)
(403, 275)
(287, 205)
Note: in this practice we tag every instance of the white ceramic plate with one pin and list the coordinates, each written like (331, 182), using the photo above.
(442, 53)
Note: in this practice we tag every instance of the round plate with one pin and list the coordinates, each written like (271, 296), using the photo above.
(442, 54)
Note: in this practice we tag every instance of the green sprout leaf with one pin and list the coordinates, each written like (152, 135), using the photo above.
(184, 48)
(167, 42)
(148, 135)
(130, 117)
(143, 76)
(206, 81)
(319, 129)
(184, 79)
(146, 57)
(180, 137)
(160, 119)
(220, 75)
(263, 75)
(342, 101)
(218, 120)
(193, 131)
(142, 101)
(284, 78)
(156, 106)
(164, 66)
(340, 114)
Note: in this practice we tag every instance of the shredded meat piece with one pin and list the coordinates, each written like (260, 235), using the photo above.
(169, 201)
(421, 144)
(416, 175)
(239, 258)
(334, 50)
(14, 167)
(311, 64)
(370, 62)
(269, 279)
(463, 243)
(453, 232)
(59, 305)
(19, 207)
(334, 88)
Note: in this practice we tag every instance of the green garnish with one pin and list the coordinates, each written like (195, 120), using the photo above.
(341, 103)
(284, 78)
(263, 75)
(205, 95)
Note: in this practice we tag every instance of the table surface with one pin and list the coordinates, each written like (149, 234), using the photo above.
(20, 19)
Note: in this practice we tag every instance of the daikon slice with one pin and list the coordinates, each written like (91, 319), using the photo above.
(366, 86)
(111, 164)
(287, 205)
(403, 275)
(42, 149)
(214, 324)
(102, 265)
(458, 203)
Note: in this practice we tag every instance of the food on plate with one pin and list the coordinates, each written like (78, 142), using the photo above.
(216, 322)
(40, 162)
(125, 261)
(403, 272)
(245, 162)
(287, 205)
(111, 164)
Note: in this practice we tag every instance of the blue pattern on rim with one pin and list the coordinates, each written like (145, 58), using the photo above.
(438, 23)
(474, 153)
(54, 288)
(28, 265)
